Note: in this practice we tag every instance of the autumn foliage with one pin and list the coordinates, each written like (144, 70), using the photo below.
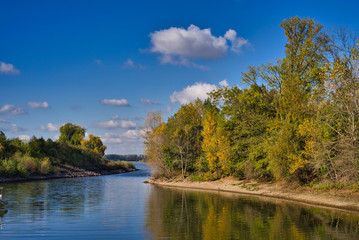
(297, 120)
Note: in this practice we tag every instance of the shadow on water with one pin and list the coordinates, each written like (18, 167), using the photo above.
(184, 214)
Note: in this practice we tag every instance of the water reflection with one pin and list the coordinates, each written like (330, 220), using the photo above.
(183, 214)
(123, 207)
(67, 197)
(2, 213)
(109, 207)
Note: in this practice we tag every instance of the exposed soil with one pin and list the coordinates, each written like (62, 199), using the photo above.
(342, 199)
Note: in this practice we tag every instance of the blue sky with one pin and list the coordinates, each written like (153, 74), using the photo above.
(106, 64)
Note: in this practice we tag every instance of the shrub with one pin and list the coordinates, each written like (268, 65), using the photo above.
(30, 163)
(8, 167)
(22, 170)
(45, 166)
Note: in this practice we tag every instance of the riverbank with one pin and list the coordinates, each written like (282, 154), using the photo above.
(67, 171)
(342, 199)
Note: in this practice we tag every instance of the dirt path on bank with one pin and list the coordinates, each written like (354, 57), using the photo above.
(342, 199)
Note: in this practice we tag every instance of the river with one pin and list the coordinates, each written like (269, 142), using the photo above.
(123, 207)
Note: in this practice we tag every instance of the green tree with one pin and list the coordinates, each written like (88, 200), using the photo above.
(2, 144)
(298, 81)
(71, 134)
(37, 147)
(246, 117)
(95, 144)
(182, 146)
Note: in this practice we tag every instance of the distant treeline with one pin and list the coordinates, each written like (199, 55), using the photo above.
(297, 119)
(128, 157)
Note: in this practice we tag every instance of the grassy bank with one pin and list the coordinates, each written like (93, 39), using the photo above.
(39, 158)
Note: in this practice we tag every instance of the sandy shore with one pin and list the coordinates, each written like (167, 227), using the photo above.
(66, 171)
(341, 199)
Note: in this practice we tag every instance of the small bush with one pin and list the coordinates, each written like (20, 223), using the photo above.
(30, 163)
(21, 169)
(45, 166)
(197, 177)
(8, 168)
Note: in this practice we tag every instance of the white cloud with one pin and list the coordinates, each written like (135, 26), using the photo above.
(115, 102)
(112, 138)
(131, 64)
(7, 68)
(50, 127)
(178, 46)
(117, 124)
(134, 134)
(11, 109)
(223, 83)
(191, 93)
(109, 124)
(128, 142)
(24, 137)
(145, 101)
(192, 43)
(237, 42)
(38, 104)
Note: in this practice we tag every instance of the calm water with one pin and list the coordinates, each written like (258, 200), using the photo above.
(123, 207)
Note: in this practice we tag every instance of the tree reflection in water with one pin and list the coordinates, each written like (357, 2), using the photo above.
(184, 214)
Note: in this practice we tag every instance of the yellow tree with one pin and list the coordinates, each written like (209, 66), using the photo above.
(216, 145)
(209, 144)
(95, 144)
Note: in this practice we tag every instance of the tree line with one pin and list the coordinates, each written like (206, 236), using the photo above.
(41, 157)
(126, 157)
(297, 120)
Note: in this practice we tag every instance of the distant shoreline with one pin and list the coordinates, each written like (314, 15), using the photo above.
(66, 171)
(340, 199)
